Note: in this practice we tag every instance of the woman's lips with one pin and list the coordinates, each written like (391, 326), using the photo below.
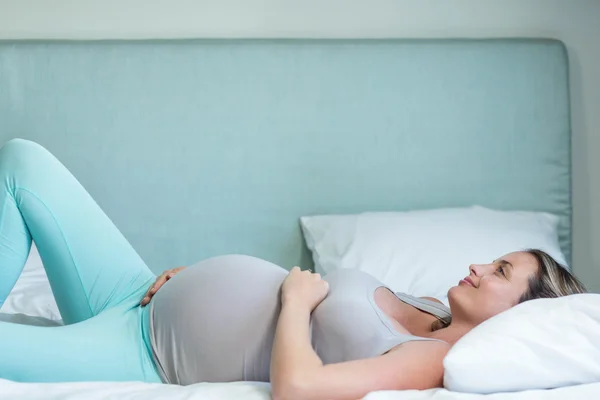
(467, 281)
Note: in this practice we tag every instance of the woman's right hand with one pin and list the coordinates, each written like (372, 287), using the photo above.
(304, 287)
(161, 280)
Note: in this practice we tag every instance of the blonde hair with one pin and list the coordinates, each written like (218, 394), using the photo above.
(552, 279)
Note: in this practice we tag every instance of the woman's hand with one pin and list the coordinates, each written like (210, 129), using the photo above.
(161, 280)
(304, 288)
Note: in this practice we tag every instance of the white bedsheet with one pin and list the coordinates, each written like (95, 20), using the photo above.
(580, 392)
(250, 391)
(31, 302)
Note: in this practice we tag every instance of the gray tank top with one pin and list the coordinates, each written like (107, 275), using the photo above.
(215, 321)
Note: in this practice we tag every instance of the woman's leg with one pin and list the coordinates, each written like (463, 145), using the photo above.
(107, 347)
(90, 265)
(92, 269)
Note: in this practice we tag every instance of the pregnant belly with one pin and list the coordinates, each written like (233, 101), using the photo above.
(215, 321)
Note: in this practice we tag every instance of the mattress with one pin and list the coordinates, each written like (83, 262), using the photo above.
(250, 391)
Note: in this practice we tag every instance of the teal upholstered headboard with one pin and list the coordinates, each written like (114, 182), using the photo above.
(205, 147)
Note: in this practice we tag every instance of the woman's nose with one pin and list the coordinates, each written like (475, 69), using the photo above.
(473, 269)
(479, 270)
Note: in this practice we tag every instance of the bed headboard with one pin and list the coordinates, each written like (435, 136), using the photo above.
(203, 147)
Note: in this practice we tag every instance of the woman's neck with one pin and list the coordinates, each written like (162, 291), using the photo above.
(452, 333)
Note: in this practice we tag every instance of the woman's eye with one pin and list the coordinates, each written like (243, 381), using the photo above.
(501, 270)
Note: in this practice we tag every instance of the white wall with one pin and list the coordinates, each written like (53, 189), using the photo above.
(575, 22)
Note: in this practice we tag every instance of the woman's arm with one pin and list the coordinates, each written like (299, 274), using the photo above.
(293, 360)
(297, 372)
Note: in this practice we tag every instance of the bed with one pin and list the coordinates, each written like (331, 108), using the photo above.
(220, 146)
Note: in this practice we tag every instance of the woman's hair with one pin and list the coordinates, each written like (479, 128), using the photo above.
(551, 280)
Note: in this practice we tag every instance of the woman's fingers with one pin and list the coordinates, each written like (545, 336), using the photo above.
(172, 272)
(152, 289)
(159, 282)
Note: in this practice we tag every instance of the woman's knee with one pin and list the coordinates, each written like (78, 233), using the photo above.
(18, 153)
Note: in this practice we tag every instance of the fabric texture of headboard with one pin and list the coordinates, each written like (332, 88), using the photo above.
(198, 148)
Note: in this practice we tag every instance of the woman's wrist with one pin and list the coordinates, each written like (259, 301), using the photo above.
(291, 302)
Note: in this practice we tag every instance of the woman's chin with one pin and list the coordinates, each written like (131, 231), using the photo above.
(454, 290)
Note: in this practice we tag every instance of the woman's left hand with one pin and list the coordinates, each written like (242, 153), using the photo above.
(161, 280)
(304, 288)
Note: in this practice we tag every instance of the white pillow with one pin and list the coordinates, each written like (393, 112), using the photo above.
(539, 344)
(31, 295)
(425, 253)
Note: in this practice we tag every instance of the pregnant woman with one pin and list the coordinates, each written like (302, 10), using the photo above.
(228, 318)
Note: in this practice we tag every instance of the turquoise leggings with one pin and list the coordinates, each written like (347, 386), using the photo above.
(96, 276)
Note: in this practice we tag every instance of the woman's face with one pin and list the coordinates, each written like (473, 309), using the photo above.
(492, 288)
